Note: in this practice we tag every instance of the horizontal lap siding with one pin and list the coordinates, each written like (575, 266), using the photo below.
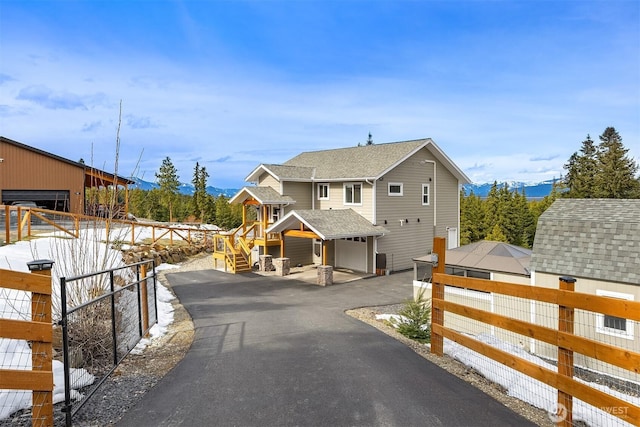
(414, 238)
(23, 169)
(300, 192)
(298, 250)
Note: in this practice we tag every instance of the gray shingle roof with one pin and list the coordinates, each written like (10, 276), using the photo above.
(367, 161)
(590, 238)
(329, 224)
(264, 195)
(354, 163)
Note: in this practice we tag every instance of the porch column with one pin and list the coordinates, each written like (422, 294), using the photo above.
(324, 252)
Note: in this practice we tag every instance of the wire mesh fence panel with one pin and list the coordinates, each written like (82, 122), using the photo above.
(99, 333)
(493, 331)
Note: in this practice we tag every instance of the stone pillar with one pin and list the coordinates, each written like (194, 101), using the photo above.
(266, 263)
(325, 275)
(283, 266)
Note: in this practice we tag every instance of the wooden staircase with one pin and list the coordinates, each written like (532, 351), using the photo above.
(242, 264)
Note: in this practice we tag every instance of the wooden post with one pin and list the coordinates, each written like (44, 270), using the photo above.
(323, 244)
(144, 298)
(7, 228)
(437, 314)
(565, 355)
(41, 352)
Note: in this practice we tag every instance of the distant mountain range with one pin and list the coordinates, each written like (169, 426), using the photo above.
(532, 191)
(187, 189)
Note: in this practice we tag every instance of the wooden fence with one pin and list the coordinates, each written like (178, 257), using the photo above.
(567, 343)
(40, 332)
(70, 224)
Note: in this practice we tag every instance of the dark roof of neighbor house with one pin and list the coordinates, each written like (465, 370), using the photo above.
(589, 238)
(329, 224)
(354, 163)
(487, 255)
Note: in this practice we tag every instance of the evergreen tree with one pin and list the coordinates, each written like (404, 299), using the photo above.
(496, 234)
(472, 218)
(617, 172)
(582, 169)
(167, 178)
(199, 200)
(369, 139)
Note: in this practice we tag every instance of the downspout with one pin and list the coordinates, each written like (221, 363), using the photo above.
(313, 189)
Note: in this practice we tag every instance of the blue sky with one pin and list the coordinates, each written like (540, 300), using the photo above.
(507, 89)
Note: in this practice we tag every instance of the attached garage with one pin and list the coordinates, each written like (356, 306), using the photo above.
(352, 253)
(349, 233)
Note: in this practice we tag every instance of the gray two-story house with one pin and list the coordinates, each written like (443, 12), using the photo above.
(366, 208)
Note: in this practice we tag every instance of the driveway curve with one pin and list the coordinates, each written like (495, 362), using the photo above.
(274, 352)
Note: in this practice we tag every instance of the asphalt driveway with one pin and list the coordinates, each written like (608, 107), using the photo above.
(274, 352)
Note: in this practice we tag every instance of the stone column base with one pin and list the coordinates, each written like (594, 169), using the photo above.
(325, 275)
(283, 266)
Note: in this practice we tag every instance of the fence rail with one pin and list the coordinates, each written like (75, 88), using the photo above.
(568, 344)
(38, 331)
(18, 223)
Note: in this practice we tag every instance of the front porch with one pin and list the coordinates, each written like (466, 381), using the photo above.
(236, 250)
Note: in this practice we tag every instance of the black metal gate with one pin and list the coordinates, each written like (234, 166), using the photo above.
(104, 316)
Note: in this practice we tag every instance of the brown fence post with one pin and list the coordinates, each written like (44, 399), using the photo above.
(41, 352)
(7, 224)
(144, 298)
(565, 355)
(437, 314)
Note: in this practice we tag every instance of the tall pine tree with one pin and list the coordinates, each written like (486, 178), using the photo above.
(582, 169)
(617, 172)
(167, 179)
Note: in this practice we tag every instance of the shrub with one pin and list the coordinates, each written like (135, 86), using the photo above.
(415, 319)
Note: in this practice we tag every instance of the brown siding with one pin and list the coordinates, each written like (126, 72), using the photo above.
(23, 169)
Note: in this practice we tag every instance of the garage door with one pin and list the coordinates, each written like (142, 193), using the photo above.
(51, 199)
(351, 253)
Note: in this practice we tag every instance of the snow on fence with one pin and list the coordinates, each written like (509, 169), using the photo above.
(29, 368)
(547, 335)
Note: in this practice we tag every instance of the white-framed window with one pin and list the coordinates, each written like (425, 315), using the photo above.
(323, 191)
(612, 325)
(353, 194)
(426, 194)
(394, 189)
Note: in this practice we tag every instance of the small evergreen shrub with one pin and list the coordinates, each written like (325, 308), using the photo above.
(415, 320)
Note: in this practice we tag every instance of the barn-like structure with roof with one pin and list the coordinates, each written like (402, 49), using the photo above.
(597, 242)
(52, 182)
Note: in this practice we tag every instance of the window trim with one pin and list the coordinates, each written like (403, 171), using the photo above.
(344, 193)
(399, 184)
(321, 185)
(628, 332)
(428, 194)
